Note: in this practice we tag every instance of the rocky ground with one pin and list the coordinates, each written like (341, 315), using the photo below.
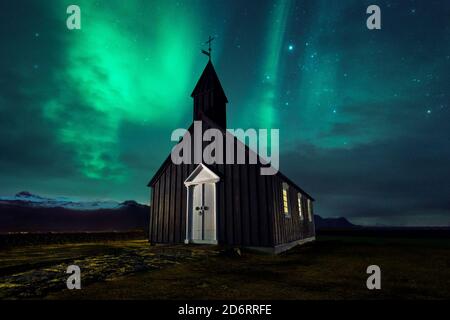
(35, 271)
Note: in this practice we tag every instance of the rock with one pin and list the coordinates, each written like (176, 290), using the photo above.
(232, 252)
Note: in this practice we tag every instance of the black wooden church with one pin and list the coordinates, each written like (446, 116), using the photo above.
(226, 204)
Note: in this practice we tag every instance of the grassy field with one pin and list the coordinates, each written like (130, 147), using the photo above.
(330, 268)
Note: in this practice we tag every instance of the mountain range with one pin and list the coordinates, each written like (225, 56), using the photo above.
(27, 212)
(332, 223)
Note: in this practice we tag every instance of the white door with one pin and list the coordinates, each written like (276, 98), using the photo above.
(203, 215)
(197, 214)
(209, 223)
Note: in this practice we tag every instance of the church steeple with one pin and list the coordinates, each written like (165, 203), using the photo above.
(209, 97)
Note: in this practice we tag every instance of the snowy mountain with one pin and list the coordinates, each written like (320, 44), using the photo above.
(26, 212)
(28, 199)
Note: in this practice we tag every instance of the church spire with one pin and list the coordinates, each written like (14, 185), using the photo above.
(209, 96)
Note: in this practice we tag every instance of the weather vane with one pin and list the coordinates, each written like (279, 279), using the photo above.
(208, 53)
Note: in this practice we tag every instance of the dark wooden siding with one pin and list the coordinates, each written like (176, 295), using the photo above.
(290, 228)
(253, 206)
(249, 207)
(168, 213)
(243, 206)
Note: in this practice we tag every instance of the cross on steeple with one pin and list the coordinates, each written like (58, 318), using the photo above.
(208, 53)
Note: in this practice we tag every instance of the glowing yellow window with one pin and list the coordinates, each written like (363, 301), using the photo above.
(299, 200)
(285, 199)
(309, 210)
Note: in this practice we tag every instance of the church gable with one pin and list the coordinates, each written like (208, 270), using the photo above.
(202, 174)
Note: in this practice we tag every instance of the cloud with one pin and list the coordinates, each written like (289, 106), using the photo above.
(399, 177)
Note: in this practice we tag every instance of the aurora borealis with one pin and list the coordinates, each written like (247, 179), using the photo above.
(363, 115)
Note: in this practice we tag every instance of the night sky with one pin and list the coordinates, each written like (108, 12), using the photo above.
(363, 115)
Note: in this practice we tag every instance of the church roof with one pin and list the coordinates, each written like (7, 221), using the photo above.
(247, 149)
(209, 81)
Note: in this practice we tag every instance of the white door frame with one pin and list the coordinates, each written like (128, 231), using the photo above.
(191, 181)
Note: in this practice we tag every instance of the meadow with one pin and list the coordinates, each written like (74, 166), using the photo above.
(333, 267)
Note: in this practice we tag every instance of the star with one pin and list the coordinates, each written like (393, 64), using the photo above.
(291, 47)
(36, 34)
